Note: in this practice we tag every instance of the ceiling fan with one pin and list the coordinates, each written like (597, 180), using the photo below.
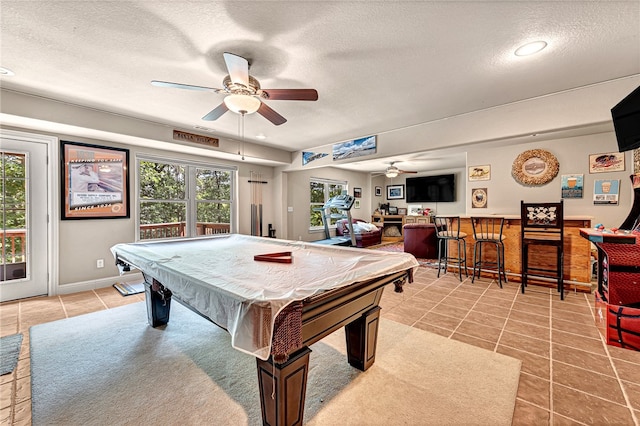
(392, 171)
(244, 94)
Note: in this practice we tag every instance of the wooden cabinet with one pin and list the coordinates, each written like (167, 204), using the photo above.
(391, 226)
(417, 219)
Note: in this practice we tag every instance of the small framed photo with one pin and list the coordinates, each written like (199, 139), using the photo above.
(378, 191)
(479, 173)
(402, 211)
(414, 209)
(606, 162)
(95, 181)
(479, 198)
(357, 192)
(395, 192)
(356, 204)
(393, 210)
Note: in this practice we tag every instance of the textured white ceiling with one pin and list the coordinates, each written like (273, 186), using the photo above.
(377, 66)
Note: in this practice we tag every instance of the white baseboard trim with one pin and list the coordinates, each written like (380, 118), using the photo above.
(100, 283)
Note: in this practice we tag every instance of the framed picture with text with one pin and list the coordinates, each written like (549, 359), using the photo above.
(94, 180)
(606, 162)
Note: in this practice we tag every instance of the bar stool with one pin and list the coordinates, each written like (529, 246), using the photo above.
(487, 230)
(448, 229)
(542, 224)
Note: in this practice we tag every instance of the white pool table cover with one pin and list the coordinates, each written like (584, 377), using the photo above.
(219, 277)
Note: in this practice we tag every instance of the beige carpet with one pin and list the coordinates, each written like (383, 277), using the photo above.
(111, 368)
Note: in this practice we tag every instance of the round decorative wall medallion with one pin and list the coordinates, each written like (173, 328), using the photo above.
(535, 167)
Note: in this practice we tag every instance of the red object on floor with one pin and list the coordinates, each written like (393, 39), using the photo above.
(420, 240)
(618, 294)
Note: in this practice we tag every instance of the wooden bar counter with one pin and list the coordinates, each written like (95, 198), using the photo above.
(577, 251)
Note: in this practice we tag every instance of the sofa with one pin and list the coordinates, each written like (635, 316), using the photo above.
(365, 233)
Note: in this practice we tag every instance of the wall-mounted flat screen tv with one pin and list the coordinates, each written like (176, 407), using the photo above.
(438, 189)
(626, 121)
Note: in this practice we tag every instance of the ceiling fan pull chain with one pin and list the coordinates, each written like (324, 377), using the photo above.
(241, 132)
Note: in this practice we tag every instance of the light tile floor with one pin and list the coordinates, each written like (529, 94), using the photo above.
(569, 376)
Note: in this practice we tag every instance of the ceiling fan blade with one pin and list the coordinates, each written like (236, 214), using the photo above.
(405, 171)
(238, 68)
(216, 112)
(182, 86)
(271, 115)
(291, 94)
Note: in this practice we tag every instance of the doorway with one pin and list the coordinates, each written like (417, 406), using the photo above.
(24, 206)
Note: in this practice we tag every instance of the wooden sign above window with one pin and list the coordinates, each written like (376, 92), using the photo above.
(191, 137)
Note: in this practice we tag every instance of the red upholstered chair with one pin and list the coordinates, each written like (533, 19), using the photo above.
(420, 240)
(363, 239)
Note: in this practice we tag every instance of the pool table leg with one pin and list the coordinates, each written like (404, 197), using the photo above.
(287, 383)
(158, 300)
(362, 336)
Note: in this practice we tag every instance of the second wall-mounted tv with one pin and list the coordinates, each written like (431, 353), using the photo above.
(437, 189)
(626, 121)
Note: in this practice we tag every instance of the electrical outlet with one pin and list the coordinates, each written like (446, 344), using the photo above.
(100, 263)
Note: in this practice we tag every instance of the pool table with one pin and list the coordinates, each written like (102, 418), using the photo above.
(275, 298)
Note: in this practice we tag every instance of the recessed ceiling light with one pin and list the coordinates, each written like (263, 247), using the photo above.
(6, 71)
(530, 48)
(261, 136)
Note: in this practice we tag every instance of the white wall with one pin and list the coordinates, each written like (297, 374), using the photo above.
(456, 207)
(82, 242)
(504, 193)
(298, 198)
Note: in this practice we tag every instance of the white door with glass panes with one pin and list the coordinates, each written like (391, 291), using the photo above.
(23, 226)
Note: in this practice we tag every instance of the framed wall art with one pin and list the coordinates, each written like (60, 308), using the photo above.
(414, 209)
(606, 191)
(378, 191)
(94, 180)
(535, 167)
(357, 192)
(606, 162)
(572, 186)
(395, 192)
(479, 198)
(354, 148)
(308, 157)
(479, 173)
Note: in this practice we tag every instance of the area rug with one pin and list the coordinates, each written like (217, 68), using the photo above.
(110, 367)
(9, 353)
(399, 247)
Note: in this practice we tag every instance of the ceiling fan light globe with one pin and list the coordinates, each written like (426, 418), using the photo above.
(391, 173)
(242, 104)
